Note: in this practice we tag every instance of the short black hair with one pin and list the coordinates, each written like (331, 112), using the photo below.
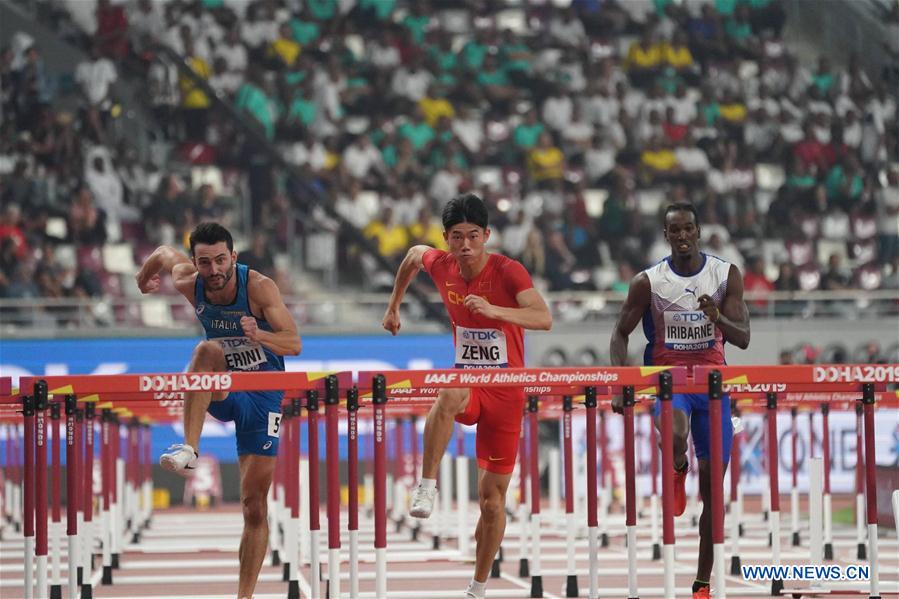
(210, 234)
(465, 208)
(680, 207)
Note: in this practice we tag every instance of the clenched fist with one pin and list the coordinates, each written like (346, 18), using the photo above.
(250, 328)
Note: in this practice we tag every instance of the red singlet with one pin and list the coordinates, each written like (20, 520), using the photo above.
(486, 343)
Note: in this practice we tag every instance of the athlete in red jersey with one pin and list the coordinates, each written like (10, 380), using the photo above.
(490, 300)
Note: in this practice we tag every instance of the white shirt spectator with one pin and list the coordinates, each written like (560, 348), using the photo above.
(759, 135)
(407, 208)
(470, 132)
(601, 109)
(259, 33)
(226, 84)
(96, 77)
(383, 56)
(411, 84)
(360, 157)
(568, 30)
(599, 161)
(852, 134)
(571, 74)
(692, 159)
(685, 110)
(766, 103)
(515, 236)
(844, 104)
(444, 185)
(235, 55)
(355, 209)
(578, 131)
(557, 111)
(146, 19)
(791, 131)
(106, 186)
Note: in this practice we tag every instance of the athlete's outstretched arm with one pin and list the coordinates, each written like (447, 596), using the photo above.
(164, 259)
(409, 267)
(631, 312)
(284, 339)
(733, 316)
(532, 312)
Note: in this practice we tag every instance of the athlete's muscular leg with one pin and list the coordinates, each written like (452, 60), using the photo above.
(706, 549)
(255, 479)
(207, 357)
(439, 428)
(492, 523)
(680, 429)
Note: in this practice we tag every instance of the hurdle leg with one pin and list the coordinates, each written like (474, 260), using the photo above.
(533, 458)
(871, 488)
(462, 505)
(774, 495)
(524, 507)
(861, 547)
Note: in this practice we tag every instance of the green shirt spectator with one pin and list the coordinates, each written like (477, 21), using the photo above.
(295, 78)
(711, 112)
(253, 100)
(473, 54)
(493, 77)
(322, 10)
(419, 134)
(304, 32)
(725, 8)
(388, 154)
(823, 81)
(739, 31)
(444, 60)
(302, 110)
(510, 56)
(417, 25)
(382, 8)
(526, 135)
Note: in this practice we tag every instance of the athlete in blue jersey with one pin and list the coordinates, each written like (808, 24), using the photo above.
(248, 327)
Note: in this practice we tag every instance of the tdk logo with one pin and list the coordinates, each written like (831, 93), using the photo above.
(689, 317)
(479, 335)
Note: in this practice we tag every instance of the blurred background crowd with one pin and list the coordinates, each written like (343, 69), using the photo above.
(347, 124)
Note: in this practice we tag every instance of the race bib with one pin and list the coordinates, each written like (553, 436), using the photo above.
(481, 348)
(274, 424)
(241, 353)
(688, 330)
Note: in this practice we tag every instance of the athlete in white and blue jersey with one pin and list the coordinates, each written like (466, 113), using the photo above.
(690, 304)
(248, 327)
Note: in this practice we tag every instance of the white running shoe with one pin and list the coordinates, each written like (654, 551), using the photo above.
(738, 424)
(422, 502)
(470, 593)
(180, 459)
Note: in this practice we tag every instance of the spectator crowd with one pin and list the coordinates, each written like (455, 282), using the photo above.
(576, 123)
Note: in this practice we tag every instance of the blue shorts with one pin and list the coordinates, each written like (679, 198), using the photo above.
(257, 419)
(696, 407)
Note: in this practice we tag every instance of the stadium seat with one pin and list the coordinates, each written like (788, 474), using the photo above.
(154, 312)
(119, 258)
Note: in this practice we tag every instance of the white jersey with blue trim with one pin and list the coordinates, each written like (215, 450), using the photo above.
(677, 331)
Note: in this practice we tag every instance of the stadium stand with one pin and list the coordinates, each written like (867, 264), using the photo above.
(577, 123)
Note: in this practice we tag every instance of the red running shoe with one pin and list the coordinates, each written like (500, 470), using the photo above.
(680, 491)
(702, 593)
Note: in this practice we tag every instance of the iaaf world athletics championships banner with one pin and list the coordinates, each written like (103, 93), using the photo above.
(754, 475)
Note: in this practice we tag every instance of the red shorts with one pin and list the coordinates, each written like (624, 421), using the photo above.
(498, 416)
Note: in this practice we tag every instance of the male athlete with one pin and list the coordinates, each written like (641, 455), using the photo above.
(691, 304)
(248, 328)
(490, 300)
